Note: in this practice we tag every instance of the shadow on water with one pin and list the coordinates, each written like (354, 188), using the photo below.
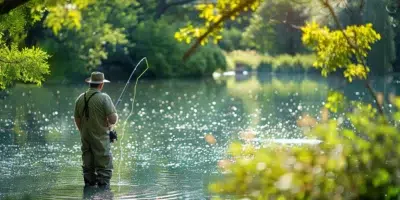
(97, 193)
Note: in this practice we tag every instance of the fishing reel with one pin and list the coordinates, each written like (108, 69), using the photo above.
(113, 135)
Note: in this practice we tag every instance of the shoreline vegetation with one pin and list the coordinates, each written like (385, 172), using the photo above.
(247, 61)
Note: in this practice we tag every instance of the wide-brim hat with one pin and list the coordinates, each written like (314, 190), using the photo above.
(97, 78)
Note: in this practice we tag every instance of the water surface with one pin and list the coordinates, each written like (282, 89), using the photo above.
(163, 153)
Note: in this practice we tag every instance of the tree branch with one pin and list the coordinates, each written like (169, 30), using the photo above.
(215, 25)
(9, 5)
(368, 84)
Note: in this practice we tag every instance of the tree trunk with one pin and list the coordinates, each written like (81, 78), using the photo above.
(160, 9)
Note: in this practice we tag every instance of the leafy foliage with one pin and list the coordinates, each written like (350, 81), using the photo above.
(283, 62)
(27, 64)
(214, 16)
(348, 164)
(155, 40)
(103, 29)
(335, 101)
(274, 28)
(358, 155)
(338, 49)
(232, 40)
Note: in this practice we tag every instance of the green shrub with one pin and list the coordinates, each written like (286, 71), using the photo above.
(287, 63)
(231, 40)
(248, 58)
(267, 63)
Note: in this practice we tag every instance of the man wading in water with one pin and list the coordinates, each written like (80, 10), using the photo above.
(94, 114)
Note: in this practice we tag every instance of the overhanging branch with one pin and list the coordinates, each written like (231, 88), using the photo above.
(214, 26)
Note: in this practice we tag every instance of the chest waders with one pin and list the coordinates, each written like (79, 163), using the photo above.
(97, 164)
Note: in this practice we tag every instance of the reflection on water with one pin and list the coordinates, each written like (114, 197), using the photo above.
(164, 154)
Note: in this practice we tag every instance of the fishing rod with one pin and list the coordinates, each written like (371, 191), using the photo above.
(113, 133)
(129, 79)
(131, 111)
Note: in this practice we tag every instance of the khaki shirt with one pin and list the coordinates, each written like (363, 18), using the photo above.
(100, 106)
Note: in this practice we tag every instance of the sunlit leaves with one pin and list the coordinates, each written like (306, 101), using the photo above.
(272, 27)
(98, 33)
(335, 101)
(60, 16)
(357, 71)
(18, 63)
(214, 15)
(348, 164)
(341, 48)
(26, 65)
(66, 14)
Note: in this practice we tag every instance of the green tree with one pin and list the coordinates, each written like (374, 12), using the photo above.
(19, 62)
(274, 28)
(155, 40)
(214, 17)
(373, 11)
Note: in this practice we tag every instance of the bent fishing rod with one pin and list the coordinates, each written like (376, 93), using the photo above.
(129, 79)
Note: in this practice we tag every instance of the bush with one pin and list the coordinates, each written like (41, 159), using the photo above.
(231, 40)
(287, 63)
(267, 63)
(247, 58)
(348, 164)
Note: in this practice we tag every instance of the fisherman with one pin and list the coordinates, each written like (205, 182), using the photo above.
(94, 115)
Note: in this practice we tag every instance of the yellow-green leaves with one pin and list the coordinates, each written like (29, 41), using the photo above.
(357, 161)
(357, 71)
(335, 101)
(27, 65)
(214, 15)
(63, 16)
(346, 48)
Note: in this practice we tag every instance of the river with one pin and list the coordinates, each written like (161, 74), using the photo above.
(163, 153)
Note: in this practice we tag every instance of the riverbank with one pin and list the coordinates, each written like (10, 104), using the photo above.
(247, 60)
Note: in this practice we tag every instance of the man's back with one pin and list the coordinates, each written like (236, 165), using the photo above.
(99, 107)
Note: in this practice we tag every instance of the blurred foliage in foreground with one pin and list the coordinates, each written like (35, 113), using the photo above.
(351, 163)
(358, 155)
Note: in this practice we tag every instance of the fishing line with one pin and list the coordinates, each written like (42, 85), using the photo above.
(131, 111)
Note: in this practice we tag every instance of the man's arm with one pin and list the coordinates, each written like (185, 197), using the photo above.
(78, 123)
(111, 112)
(112, 119)
(77, 118)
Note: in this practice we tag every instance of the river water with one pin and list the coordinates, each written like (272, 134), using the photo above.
(163, 153)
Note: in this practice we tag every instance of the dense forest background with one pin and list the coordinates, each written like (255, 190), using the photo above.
(114, 34)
